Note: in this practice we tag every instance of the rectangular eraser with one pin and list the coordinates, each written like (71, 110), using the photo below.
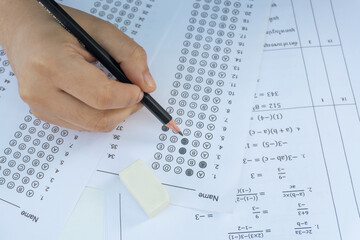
(145, 187)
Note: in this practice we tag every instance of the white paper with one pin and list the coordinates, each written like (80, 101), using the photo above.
(205, 58)
(300, 175)
(87, 218)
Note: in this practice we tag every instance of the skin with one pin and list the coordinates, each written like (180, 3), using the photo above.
(55, 75)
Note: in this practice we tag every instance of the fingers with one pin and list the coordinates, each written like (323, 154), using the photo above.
(45, 116)
(128, 53)
(80, 116)
(135, 68)
(90, 85)
(61, 86)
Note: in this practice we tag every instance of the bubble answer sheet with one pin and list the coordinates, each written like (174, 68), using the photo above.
(205, 57)
(43, 170)
(301, 172)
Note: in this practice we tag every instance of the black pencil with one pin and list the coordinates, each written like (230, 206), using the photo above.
(105, 59)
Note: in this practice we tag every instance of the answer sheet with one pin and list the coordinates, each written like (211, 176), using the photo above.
(301, 175)
(205, 57)
(43, 167)
(43, 170)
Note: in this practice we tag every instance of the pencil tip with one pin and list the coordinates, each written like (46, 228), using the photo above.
(173, 126)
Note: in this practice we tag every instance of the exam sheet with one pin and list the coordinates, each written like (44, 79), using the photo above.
(43, 170)
(301, 175)
(205, 57)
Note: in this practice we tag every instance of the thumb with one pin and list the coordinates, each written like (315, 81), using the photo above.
(131, 56)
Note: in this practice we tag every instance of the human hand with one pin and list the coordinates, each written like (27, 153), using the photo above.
(55, 75)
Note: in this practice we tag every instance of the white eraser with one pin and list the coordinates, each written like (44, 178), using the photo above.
(145, 187)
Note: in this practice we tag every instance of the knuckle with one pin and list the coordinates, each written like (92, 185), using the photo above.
(130, 98)
(101, 124)
(29, 97)
(42, 63)
(136, 108)
(138, 52)
(70, 49)
(25, 95)
(43, 66)
(103, 98)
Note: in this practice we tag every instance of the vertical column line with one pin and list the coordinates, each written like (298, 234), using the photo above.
(343, 54)
(335, 111)
(316, 121)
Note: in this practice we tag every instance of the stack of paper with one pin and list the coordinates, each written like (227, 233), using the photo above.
(267, 153)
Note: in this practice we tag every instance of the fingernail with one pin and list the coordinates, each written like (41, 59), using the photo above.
(149, 80)
(141, 95)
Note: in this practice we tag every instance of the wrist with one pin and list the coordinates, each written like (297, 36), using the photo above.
(15, 15)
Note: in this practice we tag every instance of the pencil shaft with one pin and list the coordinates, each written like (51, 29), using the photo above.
(101, 55)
